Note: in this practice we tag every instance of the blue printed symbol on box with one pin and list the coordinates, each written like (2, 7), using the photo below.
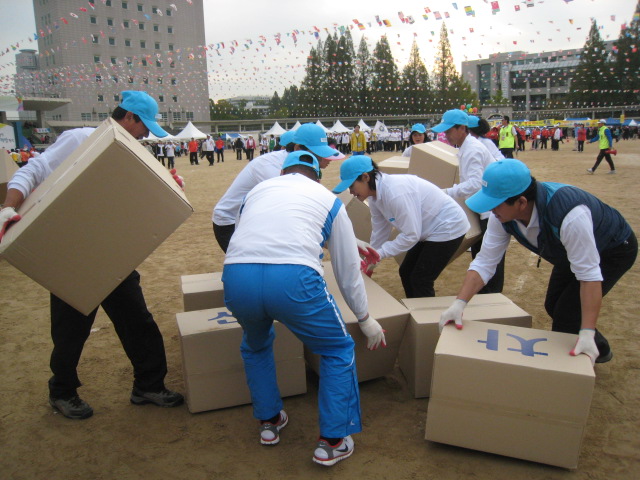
(527, 347)
(220, 318)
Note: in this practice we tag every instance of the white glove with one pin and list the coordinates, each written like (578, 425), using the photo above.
(586, 344)
(453, 313)
(8, 215)
(373, 331)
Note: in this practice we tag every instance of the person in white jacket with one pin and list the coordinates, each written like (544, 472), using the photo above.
(273, 270)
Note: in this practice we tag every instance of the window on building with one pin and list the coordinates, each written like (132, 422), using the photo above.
(175, 98)
(112, 41)
(140, 7)
(154, 9)
(172, 65)
(161, 98)
(174, 81)
(156, 28)
(129, 61)
(93, 20)
(163, 115)
(100, 98)
(157, 46)
(96, 59)
(125, 23)
(130, 80)
(95, 39)
(169, 12)
(177, 116)
(127, 42)
(169, 29)
(98, 78)
(114, 60)
(145, 80)
(189, 116)
(85, 117)
(116, 97)
(125, 5)
(158, 64)
(143, 44)
(159, 79)
(110, 22)
(103, 116)
(141, 26)
(171, 47)
(144, 62)
(114, 79)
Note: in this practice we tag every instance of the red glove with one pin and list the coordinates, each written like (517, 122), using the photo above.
(179, 180)
(8, 216)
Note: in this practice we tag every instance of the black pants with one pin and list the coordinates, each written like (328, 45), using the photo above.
(603, 154)
(581, 145)
(193, 158)
(507, 152)
(161, 159)
(223, 235)
(220, 155)
(135, 326)
(496, 283)
(543, 143)
(209, 155)
(170, 162)
(238, 154)
(563, 293)
(249, 153)
(423, 264)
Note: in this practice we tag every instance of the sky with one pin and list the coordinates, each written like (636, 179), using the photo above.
(260, 55)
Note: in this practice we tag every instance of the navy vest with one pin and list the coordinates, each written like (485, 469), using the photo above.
(554, 201)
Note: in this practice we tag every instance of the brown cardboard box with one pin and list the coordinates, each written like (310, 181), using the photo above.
(100, 214)
(7, 168)
(393, 165)
(202, 291)
(391, 315)
(422, 333)
(511, 391)
(212, 366)
(359, 215)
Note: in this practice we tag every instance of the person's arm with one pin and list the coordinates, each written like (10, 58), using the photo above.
(471, 169)
(609, 137)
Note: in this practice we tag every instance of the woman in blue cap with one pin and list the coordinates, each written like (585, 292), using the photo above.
(418, 136)
(431, 224)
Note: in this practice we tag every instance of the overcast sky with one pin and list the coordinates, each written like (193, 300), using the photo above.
(258, 65)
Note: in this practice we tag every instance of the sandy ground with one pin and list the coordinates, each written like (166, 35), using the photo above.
(122, 441)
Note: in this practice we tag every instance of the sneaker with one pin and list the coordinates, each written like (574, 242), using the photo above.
(327, 455)
(589, 170)
(163, 398)
(270, 432)
(605, 358)
(72, 407)
(611, 172)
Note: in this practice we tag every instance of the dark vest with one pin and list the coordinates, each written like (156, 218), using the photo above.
(554, 201)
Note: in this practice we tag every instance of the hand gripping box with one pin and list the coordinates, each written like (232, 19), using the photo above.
(422, 333)
(397, 164)
(212, 366)
(202, 291)
(438, 162)
(98, 216)
(391, 315)
(7, 168)
(510, 391)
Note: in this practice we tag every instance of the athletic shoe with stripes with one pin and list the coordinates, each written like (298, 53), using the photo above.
(328, 455)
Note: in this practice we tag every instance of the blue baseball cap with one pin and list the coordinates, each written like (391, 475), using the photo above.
(450, 119)
(314, 138)
(143, 105)
(294, 159)
(473, 121)
(418, 127)
(351, 169)
(287, 137)
(501, 180)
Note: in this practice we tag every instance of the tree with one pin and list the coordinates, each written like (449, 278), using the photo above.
(290, 99)
(593, 74)
(344, 75)
(415, 86)
(626, 68)
(384, 79)
(498, 99)
(311, 90)
(363, 73)
(275, 104)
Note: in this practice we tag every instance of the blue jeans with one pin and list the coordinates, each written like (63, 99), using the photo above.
(296, 296)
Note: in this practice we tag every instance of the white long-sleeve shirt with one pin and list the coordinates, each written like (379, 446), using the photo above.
(491, 146)
(288, 220)
(262, 168)
(418, 209)
(576, 234)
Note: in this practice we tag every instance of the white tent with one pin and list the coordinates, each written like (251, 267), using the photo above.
(319, 123)
(190, 131)
(363, 126)
(296, 126)
(632, 123)
(276, 130)
(380, 129)
(153, 138)
(338, 127)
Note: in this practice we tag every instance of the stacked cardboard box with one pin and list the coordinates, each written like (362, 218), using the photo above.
(394, 165)
(391, 315)
(510, 391)
(202, 291)
(100, 214)
(359, 214)
(213, 369)
(422, 333)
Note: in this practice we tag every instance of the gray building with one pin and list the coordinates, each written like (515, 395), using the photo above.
(91, 55)
(527, 80)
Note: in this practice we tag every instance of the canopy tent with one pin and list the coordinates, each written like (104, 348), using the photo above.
(190, 131)
(363, 126)
(630, 123)
(228, 136)
(319, 123)
(296, 126)
(577, 120)
(153, 138)
(338, 127)
(276, 130)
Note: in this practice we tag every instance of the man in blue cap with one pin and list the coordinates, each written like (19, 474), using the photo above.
(125, 306)
(270, 274)
(589, 244)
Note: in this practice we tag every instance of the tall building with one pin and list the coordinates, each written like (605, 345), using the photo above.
(89, 52)
(527, 80)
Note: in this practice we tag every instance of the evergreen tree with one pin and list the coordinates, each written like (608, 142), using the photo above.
(363, 74)
(331, 88)
(626, 68)
(415, 87)
(593, 74)
(311, 89)
(290, 99)
(384, 80)
(275, 104)
(344, 75)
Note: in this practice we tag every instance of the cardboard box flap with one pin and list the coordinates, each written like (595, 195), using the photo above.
(442, 303)
(201, 282)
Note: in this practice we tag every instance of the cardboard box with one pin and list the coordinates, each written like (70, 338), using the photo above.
(391, 315)
(202, 291)
(422, 333)
(394, 165)
(511, 391)
(98, 216)
(7, 168)
(359, 214)
(435, 161)
(213, 368)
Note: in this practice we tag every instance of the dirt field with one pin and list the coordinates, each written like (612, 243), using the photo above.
(122, 441)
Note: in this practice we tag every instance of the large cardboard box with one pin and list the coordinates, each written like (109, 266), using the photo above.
(393, 165)
(391, 315)
(511, 391)
(422, 333)
(359, 214)
(100, 214)
(7, 168)
(202, 291)
(212, 366)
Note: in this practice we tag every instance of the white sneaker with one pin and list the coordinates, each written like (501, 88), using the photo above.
(327, 455)
(611, 172)
(590, 171)
(270, 432)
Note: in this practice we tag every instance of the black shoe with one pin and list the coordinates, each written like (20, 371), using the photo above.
(163, 398)
(605, 358)
(72, 407)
